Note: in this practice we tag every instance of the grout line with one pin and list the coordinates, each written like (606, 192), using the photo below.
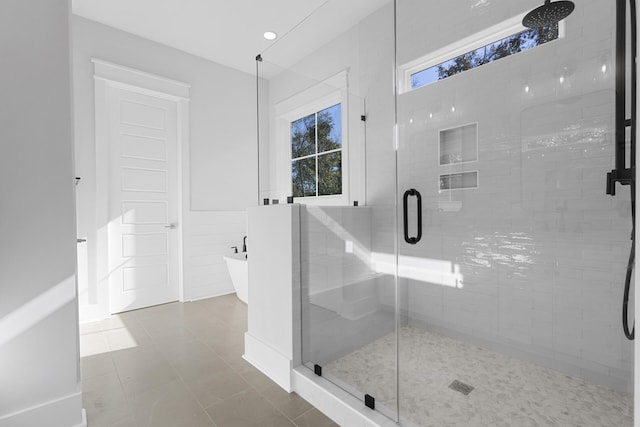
(275, 407)
(195, 398)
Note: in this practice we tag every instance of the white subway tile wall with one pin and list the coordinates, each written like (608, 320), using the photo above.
(541, 248)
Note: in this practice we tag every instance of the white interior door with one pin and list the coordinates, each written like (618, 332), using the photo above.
(143, 235)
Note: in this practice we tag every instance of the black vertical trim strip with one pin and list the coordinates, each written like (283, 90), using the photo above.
(620, 83)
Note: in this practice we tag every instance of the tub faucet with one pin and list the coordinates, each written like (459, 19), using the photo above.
(244, 244)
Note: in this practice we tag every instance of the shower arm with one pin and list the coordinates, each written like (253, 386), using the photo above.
(621, 174)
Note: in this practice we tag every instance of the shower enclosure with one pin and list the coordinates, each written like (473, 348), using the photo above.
(479, 278)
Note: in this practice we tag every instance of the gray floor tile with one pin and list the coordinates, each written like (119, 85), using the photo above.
(104, 400)
(257, 379)
(247, 409)
(161, 366)
(141, 369)
(99, 364)
(127, 337)
(199, 365)
(169, 405)
(180, 348)
(314, 418)
(90, 328)
(216, 388)
(127, 422)
(93, 344)
(120, 320)
(289, 404)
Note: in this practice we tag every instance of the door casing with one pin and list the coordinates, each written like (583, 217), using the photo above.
(107, 75)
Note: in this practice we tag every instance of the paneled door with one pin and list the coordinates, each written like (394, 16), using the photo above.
(142, 229)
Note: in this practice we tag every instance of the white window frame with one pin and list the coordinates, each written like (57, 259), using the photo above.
(332, 101)
(315, 99)
(475, 41)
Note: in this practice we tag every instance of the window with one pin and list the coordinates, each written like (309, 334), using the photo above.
(313, 155)
(316, 153)
(490, 44)
(486, 54)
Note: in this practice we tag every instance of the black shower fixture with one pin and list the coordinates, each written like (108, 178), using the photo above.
(625, 173)
(549, 13)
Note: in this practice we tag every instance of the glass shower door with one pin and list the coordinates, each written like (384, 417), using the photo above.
(511, 257)
(326, 139)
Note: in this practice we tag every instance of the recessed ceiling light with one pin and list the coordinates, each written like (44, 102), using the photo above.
(270, 35)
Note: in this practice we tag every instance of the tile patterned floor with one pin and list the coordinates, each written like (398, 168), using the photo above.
(180, 365)
(508, 392)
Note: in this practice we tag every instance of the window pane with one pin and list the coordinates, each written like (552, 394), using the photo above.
(502, 48)
(303, 177)
(330, 174)
(303, 137)
(330, 128)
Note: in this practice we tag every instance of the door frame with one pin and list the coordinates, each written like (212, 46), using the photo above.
(109, 75)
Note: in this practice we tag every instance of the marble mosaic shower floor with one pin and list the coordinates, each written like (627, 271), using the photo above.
(507, 391)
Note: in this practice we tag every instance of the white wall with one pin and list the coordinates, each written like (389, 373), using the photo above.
(222, 175)
(39, 361)
(208, 236)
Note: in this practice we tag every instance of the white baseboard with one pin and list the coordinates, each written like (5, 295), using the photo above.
(64, 412)
(211, 296)
(83, 423)
(269, 361)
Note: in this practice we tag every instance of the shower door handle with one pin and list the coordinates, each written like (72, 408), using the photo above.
(405, 203)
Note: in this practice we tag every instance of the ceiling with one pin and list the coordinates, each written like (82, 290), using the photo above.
(230, 32)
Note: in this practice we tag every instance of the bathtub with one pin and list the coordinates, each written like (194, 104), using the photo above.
(238, 267)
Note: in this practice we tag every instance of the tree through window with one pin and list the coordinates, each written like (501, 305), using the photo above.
(507, 46)
(316, 153)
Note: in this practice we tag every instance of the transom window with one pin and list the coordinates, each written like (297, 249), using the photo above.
(316, 153)
(502, 48)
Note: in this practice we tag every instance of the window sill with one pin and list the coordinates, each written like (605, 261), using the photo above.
(334, 200)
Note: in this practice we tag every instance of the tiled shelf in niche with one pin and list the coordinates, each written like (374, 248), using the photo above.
(459, 181)
(459, 144)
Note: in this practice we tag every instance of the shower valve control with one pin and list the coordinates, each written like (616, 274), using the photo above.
(623, 176)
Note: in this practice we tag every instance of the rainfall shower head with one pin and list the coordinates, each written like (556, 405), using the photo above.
(549, 13)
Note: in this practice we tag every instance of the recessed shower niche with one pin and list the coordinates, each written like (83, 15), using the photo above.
(459, 144)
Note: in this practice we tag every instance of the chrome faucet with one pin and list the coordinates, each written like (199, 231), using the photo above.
(244, 244)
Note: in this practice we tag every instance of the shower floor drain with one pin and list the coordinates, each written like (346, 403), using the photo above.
(461, 387)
